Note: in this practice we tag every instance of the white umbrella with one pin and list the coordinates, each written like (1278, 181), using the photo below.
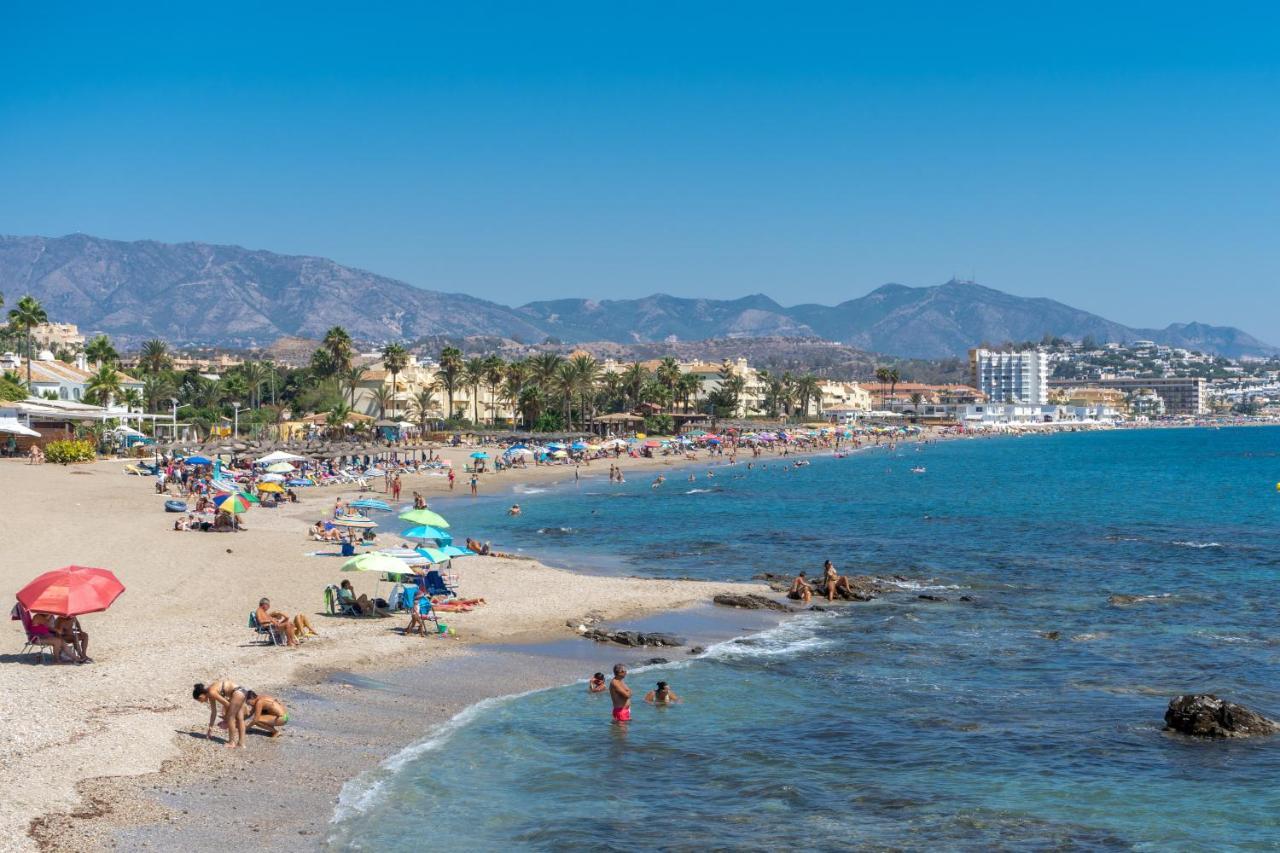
(280, 456)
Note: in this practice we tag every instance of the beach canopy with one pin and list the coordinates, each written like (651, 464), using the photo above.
(479, 454)
(374, 562)
(280, 468)
(408, 556)
(280, 456)
(234, 504)
(426, 531)
(359, 521)
(11, 426)
(199, 460)
(518, 451)
(71, 591)
(424, 516)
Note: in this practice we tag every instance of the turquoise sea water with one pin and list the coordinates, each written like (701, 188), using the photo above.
(901, 723)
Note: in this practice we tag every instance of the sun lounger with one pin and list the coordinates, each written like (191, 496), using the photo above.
(433, 584)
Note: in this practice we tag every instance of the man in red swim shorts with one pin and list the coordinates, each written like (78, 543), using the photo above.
(620, 693)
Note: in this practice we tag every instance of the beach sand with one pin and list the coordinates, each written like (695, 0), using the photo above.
(184, 618)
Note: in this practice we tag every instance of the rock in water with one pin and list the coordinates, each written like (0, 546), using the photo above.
(750, 601)
(1205, 715)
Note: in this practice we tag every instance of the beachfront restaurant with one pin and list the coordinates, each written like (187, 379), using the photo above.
(44, 420)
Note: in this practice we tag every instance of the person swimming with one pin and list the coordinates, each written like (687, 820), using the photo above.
(597, 684)
(661, 695)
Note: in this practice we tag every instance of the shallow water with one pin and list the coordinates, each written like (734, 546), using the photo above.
(903, 722)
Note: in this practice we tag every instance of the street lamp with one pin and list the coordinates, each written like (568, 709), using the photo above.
(236, 429)
(174, 401)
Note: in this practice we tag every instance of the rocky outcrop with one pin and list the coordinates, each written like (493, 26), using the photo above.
(862, 587)
(633, 638)
(750, 601)
(1205, 715)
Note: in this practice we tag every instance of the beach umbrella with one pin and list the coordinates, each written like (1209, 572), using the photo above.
(455, 551)
(273, 478)
(556, 445)
(652, 442)
(559, 454)
(371, 503)
(234, 504)
(408, 556)
(433, 555)
(280, 456)
(270, 487)
(71, 591)
(374, 562)
(248, 497)
(280, 468)
(518, 452)
(424, 516)
(579, 445)
(199, 460)
(479, 454)
(358, 521)
(426, 531)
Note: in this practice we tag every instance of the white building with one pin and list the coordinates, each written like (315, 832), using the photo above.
(1011, 377)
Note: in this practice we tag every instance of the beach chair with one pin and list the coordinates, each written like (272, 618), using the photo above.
(275, 637)
(335, 605)
(39, 643)
(433, 584)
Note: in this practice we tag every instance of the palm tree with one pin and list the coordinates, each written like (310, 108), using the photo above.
(395, 358)
(543, 368)
(156, 389)
(449, 374)
(382, 398)
(351, 376)
(916, 399)
(337, 417)
(422, 407)
(882, 376)
(894, 378)
(207, 393)
(132, 399)
(103, 386)
(565, 383)
(155, 356)
(474, 377)
(808, 388)
(668, 373)
(338, 344)
(586, 372)
(255, 375)
(633, 381)
(494, 371)
(24, 317)
(687, 390)
(100, 351)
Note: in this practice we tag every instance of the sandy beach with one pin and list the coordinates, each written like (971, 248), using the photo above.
(184, 618)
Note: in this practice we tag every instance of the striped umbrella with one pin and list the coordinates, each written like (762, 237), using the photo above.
(358, 521)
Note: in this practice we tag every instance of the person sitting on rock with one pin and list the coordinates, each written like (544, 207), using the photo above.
(800, 589)
(835, 582)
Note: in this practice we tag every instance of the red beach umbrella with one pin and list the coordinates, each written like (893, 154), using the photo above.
(71, 591)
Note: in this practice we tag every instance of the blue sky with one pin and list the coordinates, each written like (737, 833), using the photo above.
(1123, 158)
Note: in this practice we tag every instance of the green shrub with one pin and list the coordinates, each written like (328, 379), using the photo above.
(64, 452)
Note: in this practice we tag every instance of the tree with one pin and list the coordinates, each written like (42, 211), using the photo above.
(882, 376)
(255, 375)
(100, 351)
(494, 371)
(395, 358)
(808, 388)
(449, 374)
(156, 389)
(155, 357)
(338, 344)
(543, 368)
(422, 407)
(474, 377)
(687, 390)
(350, 376)
(132, 399)
(586, 372)
(24, 317)
(336, 419)
(668, 373)
(894, 378)
(565, 384)
(916, 399)
(633, 382)
(382, 398)
(103, 386)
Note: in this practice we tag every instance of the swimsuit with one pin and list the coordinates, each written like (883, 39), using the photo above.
(622, 715)
(283, 719)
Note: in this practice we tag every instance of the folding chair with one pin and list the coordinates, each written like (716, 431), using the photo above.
(39, 643)
(274, 635)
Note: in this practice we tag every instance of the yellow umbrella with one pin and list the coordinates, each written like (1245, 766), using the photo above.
(270, 487)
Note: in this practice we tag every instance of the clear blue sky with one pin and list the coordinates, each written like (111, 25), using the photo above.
(1121, 157)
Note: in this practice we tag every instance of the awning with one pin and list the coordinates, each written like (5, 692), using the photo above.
(11, 426)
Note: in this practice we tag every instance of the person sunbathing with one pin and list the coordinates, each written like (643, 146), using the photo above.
(800, 589)
(265, 712)
(835, 582)
(299, 626)
(362, 604)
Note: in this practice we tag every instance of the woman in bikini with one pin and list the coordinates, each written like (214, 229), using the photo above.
(266, 712)
(220, 695)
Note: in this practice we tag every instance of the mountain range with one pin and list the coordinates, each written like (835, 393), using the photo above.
(199, 293)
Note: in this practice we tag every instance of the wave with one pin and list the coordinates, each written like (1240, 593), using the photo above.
(555, 531)
(789, 638)
(700, 491)
(529, 490)
(1192, 544)
(918, 586)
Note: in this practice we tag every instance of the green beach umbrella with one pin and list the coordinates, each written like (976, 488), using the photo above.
(374, 563)
(424, 516)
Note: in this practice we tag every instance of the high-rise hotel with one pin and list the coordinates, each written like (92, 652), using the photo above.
(1011, 377)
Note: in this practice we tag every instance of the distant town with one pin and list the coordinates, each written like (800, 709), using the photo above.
(56, 382)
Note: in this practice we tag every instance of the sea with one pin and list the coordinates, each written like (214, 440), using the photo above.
(1028, 717)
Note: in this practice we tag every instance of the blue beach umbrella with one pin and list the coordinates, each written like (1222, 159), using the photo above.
(371, 503)
(579, 445)
(455, 551)
(433, 554)
(426, 531)
(199, 460)
(479, 454)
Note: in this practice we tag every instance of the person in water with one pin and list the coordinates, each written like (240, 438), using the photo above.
(265, 712)
(800, 589)
(515, 510)
(661, 695)
(620, 693)
(597, 684)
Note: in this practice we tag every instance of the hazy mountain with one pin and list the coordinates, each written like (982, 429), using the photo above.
(201, 293)
(196, 292)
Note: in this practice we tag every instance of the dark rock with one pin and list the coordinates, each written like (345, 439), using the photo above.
(966, 598)
(863, 587)
(926, 597)
(1205, 715)
(697, 650)
(633, 638)
(1051, 635)
(1123, 600)
(653, 661)
(750, 601)
(818, 608)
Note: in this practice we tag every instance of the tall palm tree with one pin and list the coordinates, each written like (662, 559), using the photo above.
(449, 374)
(474, 377)
(687, 390)
(422, 407)
(633, 382)
(103, 386)
(668, 373)
(382, 398)
(894, 379)
(156, 389)
(586, 372)
(24, 317)
(255, 375)
(100, 351)
(350, 376)
(543, 368)
(336, 418)
(808, 388)
(132, 399)
(395, 358)
(338, 344)
(564, 384)
(882, 376)
(155, 356)
(494, 371)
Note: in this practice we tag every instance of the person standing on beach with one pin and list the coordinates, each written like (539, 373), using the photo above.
(451, 479)
(395, 488)
(620, 693)
(475, 482)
